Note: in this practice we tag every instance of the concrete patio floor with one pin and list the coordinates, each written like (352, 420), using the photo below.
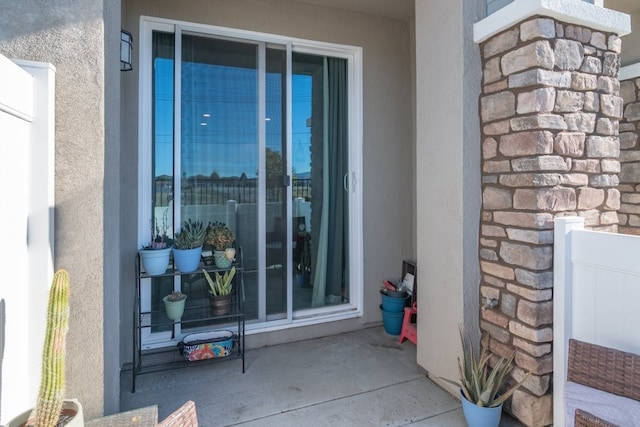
(363, 378)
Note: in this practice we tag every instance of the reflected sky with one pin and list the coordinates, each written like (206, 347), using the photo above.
(219, 119)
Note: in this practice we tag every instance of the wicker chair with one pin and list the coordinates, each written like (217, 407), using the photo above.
(585, 419)
(184, 416)
(605, 369)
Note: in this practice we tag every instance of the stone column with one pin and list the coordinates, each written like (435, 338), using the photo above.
(629, 214)
(549, 115)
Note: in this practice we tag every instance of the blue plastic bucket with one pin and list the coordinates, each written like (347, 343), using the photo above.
(393, 304)
(392, 321)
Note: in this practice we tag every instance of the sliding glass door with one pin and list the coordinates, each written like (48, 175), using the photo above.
(253, 134)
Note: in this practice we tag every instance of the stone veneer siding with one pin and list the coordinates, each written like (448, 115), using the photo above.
(549, 114)
(629, 213)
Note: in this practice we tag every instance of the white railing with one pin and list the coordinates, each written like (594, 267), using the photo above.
(596, 295)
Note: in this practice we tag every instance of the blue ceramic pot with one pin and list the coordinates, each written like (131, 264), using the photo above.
(187, 260)
(480, 416)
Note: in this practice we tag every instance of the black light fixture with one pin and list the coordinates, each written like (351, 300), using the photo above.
(126, 46)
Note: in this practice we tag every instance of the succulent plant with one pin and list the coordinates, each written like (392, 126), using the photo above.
(220, 236)
(479, 382)
(190, 236)
(176, 296)
(159, 238)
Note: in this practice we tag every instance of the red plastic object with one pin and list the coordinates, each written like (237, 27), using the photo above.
(387, 284)
(409, 330)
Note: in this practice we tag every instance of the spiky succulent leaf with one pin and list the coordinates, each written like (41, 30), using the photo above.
(479, 382)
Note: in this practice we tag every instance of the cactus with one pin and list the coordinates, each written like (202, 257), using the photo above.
(51, 392)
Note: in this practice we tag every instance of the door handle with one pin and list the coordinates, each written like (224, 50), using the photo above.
(346, 184)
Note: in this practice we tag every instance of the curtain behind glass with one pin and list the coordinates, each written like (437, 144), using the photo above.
(331, 274)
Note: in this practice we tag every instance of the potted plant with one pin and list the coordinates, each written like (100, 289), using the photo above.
(481, 385)
(221, 239)
(187, 245)
(174, 304)
(51, 409)
(155, 256)
(220, 291)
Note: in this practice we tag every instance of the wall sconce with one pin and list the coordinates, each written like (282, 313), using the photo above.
(126, 46)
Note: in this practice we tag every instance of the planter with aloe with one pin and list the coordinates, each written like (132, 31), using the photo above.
(220, 287)
(482, 389)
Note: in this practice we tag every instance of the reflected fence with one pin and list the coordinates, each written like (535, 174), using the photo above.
(215, 191)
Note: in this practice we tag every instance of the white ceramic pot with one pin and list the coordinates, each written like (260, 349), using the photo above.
(70, 408)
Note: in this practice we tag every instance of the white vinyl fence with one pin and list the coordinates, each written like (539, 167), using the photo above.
(26, 226)
(596, 295)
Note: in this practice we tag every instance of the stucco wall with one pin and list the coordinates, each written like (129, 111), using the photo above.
(448, 77)
(631, 42)
(70, 35)
(388, 134)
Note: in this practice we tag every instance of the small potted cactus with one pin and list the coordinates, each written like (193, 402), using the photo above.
(51, 409)
(174, 304)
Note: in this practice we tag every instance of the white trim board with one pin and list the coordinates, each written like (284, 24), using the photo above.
(629, 72)
(571, 11)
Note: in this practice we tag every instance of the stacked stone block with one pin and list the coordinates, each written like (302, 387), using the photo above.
(550, 112)
(629, 213)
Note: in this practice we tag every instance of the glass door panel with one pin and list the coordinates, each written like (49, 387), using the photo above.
(219, 146)
(320, 165)
(223, 151)
(276, 176)
(162, 167)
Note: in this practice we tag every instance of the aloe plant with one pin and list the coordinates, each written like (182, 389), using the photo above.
(50, 397)
(222, 284)
(480, 383)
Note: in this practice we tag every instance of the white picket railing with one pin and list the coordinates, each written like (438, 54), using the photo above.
(596, 293)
